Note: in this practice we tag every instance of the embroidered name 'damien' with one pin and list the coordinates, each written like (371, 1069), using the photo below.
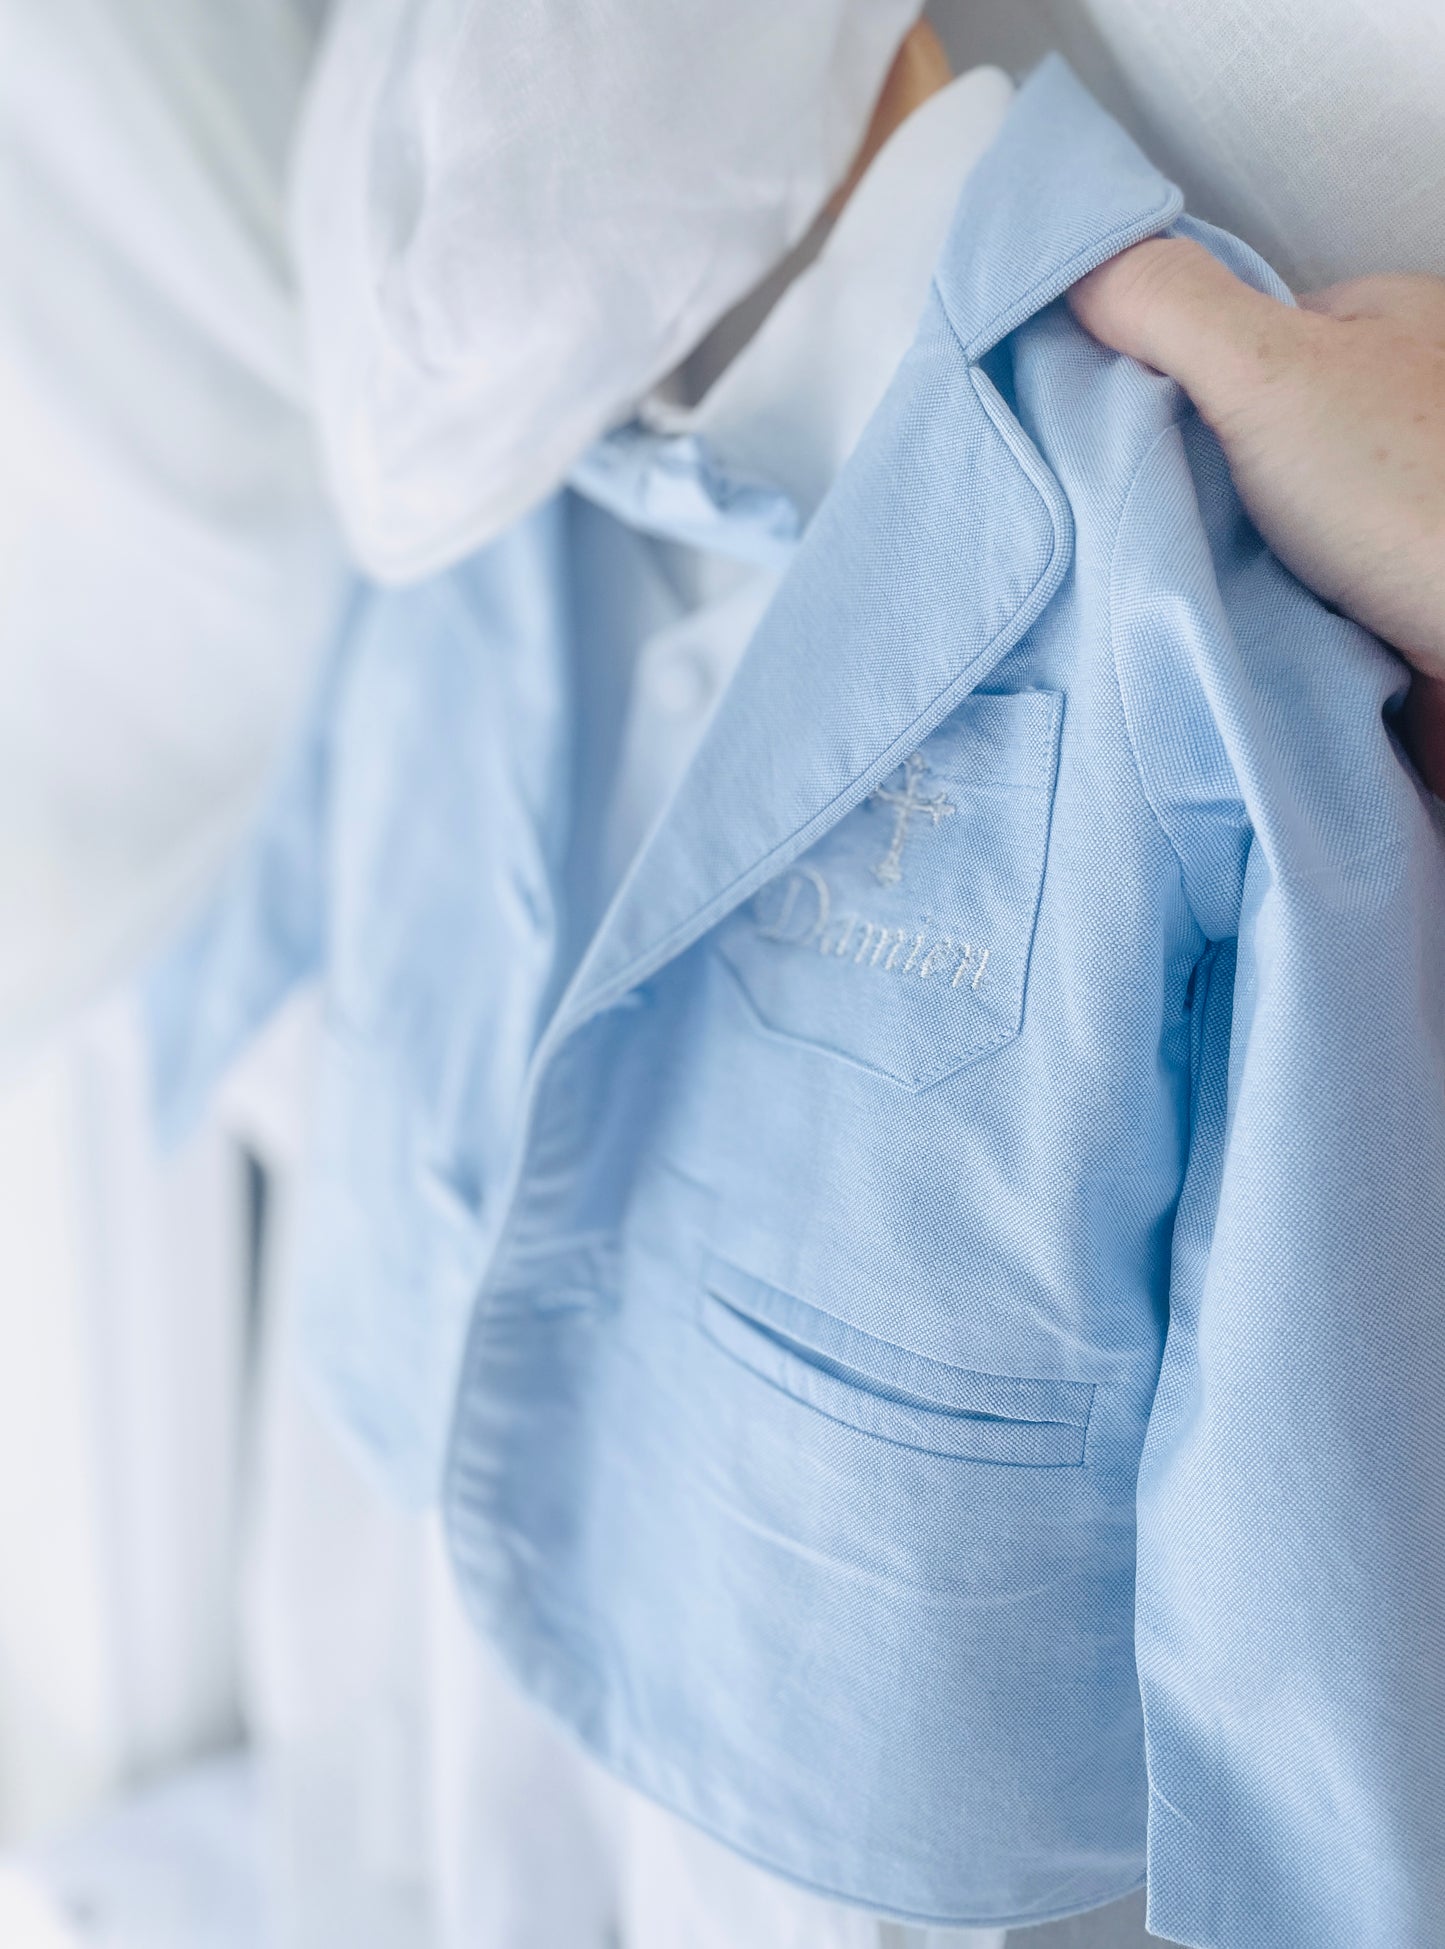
(796, 911)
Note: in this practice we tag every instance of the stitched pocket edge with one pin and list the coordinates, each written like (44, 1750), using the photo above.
(888, 1392)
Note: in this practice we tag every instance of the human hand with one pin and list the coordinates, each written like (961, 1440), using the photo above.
(1332, 417)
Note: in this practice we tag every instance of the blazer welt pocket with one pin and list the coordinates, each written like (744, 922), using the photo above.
(901, 941)
(887, 1391)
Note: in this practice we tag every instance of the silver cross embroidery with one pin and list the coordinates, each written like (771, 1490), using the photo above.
(889, 870)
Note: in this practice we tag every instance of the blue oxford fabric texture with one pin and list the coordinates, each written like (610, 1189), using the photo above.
(937, 1291)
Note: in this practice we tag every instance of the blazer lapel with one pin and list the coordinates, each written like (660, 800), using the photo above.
(941, 541)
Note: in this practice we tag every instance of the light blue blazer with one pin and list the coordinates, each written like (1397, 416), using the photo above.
(939, 1292)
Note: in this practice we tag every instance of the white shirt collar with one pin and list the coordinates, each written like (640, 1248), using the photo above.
(790, 407)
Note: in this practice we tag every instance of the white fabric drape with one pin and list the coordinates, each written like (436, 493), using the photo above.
(167, 570)
(1315, 129)
(512, 221)
(167, 564)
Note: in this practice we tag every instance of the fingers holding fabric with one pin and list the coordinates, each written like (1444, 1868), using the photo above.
(1332, 416)
(1171, 305)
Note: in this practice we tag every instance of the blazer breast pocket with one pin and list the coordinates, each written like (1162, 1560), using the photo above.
(901, 941)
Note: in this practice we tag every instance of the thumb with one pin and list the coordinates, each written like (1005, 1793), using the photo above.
(1171, 305)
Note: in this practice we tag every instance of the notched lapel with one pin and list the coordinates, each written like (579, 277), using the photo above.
(942, 539)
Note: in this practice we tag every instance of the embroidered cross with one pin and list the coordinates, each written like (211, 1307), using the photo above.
(889, 870)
